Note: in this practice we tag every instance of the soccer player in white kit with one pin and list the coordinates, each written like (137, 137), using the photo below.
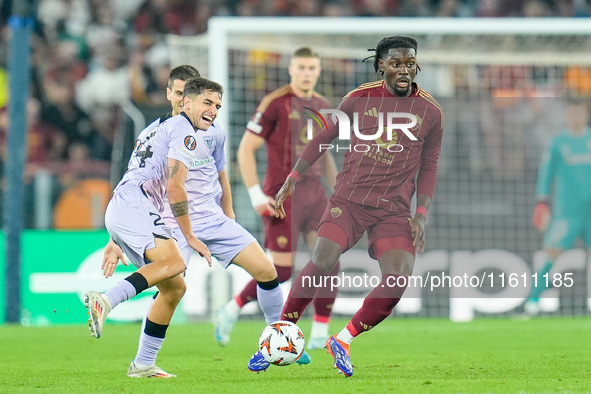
(159, 165)
(211, 216)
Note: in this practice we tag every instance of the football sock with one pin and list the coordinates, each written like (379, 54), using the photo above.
(345, 336)
(270, 299)
(319, 329)
(378, 304)
(302, 292)
(126, 289)
(249, 293)
(151, 340)
(232, 308)
(324, 300)
(537, 291)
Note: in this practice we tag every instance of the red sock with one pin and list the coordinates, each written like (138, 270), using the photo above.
(302, 292)
(378, 304)
(324, 300)
(249, 293)
(284, 273)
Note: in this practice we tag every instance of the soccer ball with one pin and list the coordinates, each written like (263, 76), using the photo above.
(281, 343)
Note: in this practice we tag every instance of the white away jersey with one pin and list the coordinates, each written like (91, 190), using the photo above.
(174, 138)
(202, 185)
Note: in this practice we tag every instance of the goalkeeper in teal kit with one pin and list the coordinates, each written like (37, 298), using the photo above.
(563, 192)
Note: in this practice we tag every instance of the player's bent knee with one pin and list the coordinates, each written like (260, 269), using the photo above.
(179, 291)
(326, 254)
(178, 267)
(397, 262)
(268, 273)
(173, 289)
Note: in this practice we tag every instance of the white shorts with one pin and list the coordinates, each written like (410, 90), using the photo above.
(133, 222)
(224, 238)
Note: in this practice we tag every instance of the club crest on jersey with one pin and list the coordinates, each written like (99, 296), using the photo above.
(209, 142)
(336, 212)
(190, 142)
(282, 241)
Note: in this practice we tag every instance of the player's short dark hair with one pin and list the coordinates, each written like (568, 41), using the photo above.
(198, 85)
(182, 73)
(388, 43)
(305, 52)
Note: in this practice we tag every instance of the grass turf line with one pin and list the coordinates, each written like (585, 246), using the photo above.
(400, 355)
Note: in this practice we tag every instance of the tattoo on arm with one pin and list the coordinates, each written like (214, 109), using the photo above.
(174, 169)
(180, 208)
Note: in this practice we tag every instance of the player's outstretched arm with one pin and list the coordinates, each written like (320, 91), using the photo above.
(111, 257)
(289, 186)
(177, 197)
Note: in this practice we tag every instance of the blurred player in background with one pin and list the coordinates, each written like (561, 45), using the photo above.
(373, 191)
(159, 164)
(280, 122)
(565, 213)
(212, 219)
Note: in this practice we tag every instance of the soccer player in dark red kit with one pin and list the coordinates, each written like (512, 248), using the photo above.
(374, 189)
(280, 123)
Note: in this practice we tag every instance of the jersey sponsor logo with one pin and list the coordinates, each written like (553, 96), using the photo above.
(210, 143)
(336, 212)
(190, 142)
(201, 162)
(282, 241)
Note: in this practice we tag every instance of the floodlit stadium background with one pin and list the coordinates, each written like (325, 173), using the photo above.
(502, 84)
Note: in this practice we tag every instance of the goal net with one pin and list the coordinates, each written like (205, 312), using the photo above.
(502, 84)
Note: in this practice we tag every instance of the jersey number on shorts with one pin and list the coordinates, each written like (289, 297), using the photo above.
(158, 221)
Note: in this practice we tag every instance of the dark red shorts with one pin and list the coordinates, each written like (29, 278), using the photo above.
(344, 222)
(303, 212)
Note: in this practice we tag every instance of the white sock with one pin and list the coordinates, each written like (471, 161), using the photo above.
(319, 330)
(271, 302)
(345, 336)
(147, 350)
(232, 308)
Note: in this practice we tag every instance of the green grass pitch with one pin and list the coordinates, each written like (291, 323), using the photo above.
(542, 355)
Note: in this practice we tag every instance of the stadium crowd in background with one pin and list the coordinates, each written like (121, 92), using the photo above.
(89, 56)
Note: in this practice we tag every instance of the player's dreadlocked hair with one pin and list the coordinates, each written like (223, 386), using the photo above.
(182, 73)
(390, 42)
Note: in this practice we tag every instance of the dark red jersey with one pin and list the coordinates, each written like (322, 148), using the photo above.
(282, 121)
(381, 172)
